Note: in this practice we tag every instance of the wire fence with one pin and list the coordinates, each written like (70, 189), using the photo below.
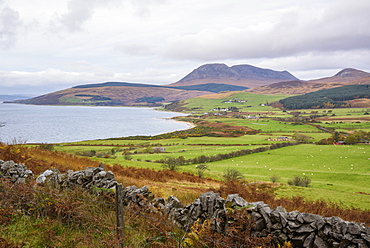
(130, 212)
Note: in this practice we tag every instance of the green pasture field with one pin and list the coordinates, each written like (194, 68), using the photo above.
(334, 111)
(337, 170)
(254, 100)
(242, 140)
(70, 100)
(347, 126)
(267, 125)
(338, 173)
(189, 148)
(189, 152)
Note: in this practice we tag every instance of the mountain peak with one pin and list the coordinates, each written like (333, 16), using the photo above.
(350, 72)
(242, 75)
(210, 71)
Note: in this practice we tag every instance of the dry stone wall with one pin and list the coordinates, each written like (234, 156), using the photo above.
(301, 229)
(15, 172)
(89, 178)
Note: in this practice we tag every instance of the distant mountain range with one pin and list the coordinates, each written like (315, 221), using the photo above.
(206, 79)
(242, 75)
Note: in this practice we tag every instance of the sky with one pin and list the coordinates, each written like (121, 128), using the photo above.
(53, 45)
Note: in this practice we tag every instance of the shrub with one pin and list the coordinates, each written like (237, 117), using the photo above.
(300, 181)
(127, 156)
(232, 175)
(171, 163)
(274, 178)
(200, 169)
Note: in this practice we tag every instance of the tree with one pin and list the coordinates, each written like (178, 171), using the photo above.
(171, 163)
(357, 137)
(301, 138)
(200, 169)
(232, 175)
(336, 136)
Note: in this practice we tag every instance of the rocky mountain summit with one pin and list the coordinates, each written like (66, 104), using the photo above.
(243, 75)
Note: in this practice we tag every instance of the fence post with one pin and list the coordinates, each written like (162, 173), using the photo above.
(119, 214)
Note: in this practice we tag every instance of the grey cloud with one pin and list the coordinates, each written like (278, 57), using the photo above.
(9, 25)
(143, 6)
(341, 27)
(79, 12)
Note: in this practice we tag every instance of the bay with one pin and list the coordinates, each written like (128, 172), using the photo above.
(57, 124)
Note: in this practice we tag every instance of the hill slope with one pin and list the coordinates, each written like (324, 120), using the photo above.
(344, 77)
(327, 98)
(126, 94)
(241, 75)
(113, 96)
(207, 79)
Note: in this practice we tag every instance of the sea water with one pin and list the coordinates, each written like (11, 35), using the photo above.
(57, 124)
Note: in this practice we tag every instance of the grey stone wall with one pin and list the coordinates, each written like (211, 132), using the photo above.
(301, 229)
(17, 173)
(89, 178)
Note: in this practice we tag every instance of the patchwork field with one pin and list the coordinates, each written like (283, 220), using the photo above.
(338, 173)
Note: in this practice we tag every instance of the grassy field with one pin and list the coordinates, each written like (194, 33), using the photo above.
(335, 169)
(252, 101)
(268, 125)
(339, 174)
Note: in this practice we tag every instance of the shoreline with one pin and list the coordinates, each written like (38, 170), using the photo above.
(190, 125)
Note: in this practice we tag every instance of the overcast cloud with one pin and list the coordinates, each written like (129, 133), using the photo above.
(52, 45)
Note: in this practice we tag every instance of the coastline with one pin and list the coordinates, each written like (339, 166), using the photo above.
(190, 125)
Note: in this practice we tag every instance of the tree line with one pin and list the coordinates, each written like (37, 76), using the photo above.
(172, 163)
